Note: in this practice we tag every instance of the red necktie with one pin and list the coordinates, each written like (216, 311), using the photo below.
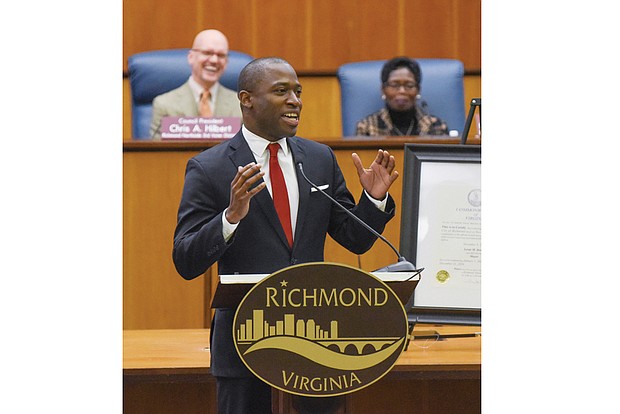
(279, 193)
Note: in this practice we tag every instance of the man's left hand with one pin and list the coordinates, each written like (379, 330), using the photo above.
(377, 179)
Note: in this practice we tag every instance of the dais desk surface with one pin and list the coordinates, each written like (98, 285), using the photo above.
(354, 142)
(157, 352)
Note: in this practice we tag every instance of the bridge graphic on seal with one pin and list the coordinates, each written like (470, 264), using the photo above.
(257, 328)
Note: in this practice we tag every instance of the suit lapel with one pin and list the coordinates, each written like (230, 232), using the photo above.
(242, 155)
(299, 156)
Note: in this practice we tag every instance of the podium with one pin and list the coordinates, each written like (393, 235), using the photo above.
(333, 329)
(231, 289)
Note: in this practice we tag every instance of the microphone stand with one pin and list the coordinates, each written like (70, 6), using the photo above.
(475, 102)
(403, 265)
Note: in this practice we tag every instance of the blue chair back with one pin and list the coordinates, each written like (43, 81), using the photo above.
(442, 90)
(159, 71)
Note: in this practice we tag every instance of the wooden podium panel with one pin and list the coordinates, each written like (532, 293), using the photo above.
(154, 295)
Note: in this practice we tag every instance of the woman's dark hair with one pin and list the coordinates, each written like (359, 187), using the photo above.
(401, 62)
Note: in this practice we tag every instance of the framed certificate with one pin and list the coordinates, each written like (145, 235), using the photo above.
(441, 229)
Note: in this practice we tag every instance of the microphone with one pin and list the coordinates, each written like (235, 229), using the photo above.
(423, 104)
(403, 265)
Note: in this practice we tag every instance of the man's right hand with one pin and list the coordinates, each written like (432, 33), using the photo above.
(242, 189)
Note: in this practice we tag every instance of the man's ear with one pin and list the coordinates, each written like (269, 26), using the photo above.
(245, 98)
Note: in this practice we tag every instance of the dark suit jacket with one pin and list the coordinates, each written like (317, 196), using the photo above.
(259, 244)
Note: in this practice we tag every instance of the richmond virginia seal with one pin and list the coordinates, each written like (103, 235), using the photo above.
(320, 329)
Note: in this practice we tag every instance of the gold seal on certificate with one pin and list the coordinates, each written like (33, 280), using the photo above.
(442, 276)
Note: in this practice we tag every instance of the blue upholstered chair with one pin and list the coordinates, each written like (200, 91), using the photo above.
(442, 90)
(153, 73)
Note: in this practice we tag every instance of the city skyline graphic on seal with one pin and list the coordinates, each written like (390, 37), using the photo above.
(320, 329)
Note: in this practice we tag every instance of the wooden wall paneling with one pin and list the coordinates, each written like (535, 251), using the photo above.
(348, 30)
(159, 24)
(469, 33)
(236, 19)
(320, 114)
(154, 294)
(317, 35)
(281, 30)
(377, 34)
(430, 29)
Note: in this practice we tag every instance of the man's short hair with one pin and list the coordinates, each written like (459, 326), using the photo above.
(254, 71)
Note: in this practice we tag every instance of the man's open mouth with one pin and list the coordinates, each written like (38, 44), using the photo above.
(291, 118)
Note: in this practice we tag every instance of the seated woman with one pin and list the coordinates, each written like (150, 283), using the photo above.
(402, 115)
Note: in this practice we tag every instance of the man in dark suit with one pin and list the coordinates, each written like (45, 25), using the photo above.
(227, 214)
